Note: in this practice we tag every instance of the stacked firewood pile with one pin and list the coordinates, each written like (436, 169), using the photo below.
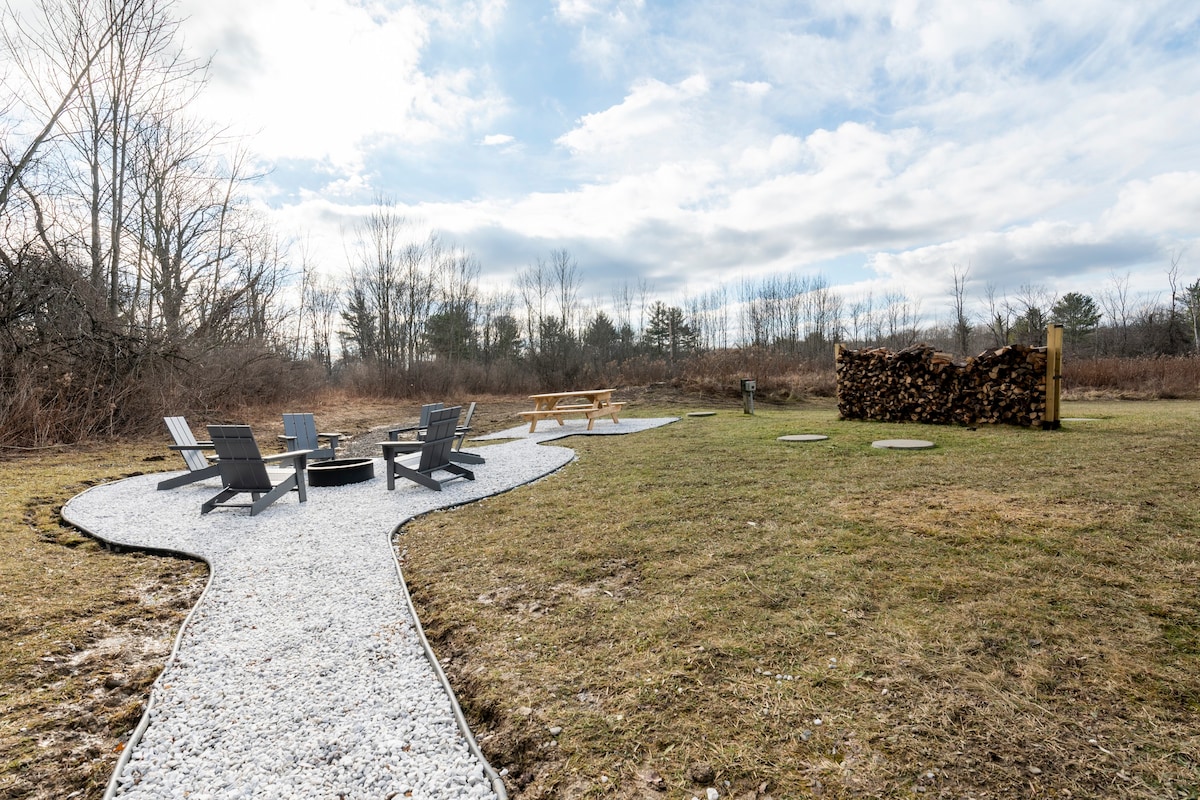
(918, 384)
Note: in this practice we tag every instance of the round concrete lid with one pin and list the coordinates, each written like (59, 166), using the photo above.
(802, 437)
(702, 413)
(902, 444)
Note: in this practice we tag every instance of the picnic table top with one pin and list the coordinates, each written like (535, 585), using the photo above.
(579, 393)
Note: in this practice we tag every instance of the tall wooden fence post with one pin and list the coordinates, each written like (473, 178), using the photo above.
(1054, 348)
(837, 374)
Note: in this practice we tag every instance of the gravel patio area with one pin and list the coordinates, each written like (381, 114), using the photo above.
(302, 671)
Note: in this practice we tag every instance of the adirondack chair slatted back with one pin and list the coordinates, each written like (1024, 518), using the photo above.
(461, 433)
(426, 411)
(184, 437)
(439, 439)
(303, 429)
(300, 430)
(417, 430)
(241, 462)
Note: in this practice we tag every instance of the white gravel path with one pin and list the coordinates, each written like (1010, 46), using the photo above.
(301, 673)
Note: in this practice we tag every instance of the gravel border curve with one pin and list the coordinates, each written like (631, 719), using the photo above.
(302, 671)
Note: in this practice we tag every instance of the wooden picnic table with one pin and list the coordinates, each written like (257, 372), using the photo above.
(591, 403)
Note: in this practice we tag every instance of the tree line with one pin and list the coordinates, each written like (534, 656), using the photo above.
(132, 261)
(137, 276)
(422, 304)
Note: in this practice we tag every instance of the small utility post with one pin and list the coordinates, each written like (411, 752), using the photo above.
(748, 385)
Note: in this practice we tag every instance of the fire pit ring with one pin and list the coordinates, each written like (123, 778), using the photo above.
(341, 471)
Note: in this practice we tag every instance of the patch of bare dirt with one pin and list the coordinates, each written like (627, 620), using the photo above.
(86, 694)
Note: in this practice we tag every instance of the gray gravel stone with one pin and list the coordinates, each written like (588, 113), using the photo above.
(301, 672)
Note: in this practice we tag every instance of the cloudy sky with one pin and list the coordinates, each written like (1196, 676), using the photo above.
(878, 144)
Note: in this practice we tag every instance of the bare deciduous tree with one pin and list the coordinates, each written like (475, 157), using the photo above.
(1176, 336)
(183, 227)
(1191, 299)
(139, 79)
(999, 316)
(322, 303)
(901, 320)
(962, 319)
(862, 319)
(55, 53)
(1114, 299)
(534, 284)
(565, 274)
(420, 262)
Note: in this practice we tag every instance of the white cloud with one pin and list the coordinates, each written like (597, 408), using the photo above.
(653, 113)
(887, 139)
(607, 28)
(1165, 205)
(753, 88)
(468, 16)
(782, 152)
(316, 80)
(944, 29)
(1057, 255)
(990, 255)
(577, 12)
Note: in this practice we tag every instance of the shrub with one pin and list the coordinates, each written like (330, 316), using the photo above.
(1161, 377)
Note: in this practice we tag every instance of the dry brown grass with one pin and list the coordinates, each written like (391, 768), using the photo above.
(83, 631)
(780, 377)
(1011, 615)
(1164, 377)
(1014, 614)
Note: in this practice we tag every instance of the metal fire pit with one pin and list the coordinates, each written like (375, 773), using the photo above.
(341, 471)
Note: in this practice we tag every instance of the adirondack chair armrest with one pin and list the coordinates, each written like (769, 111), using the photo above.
(196, 446)
(394, 433)
(286, 438)
(298, 455)
(401, 447)
(332, 437)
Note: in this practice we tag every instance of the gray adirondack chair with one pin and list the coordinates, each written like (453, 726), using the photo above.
(460, 432)
(244, 470)
(300, 433)
(198, 464)
(463, 428)
(393, 434)
(419, 461)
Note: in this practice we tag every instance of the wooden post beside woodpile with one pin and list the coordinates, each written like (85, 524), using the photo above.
(918, 384)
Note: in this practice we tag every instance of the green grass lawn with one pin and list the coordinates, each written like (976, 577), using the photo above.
(1015, 613)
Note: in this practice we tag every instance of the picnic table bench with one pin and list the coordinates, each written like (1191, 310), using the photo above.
(591, 403)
